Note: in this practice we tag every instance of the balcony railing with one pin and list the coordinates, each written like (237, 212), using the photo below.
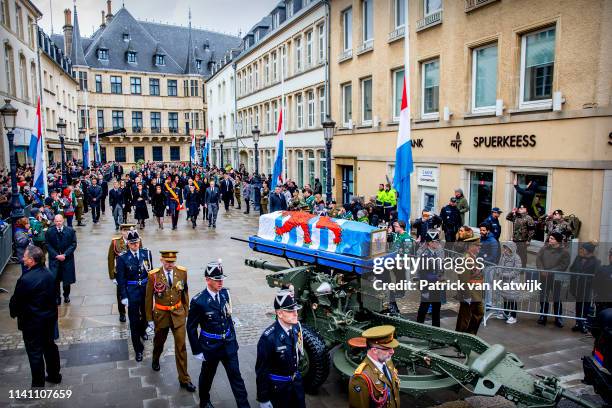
(367, 45)
(430, 20)
(173, 130)
(136, 130)
(155, 130)
(346, 54)
(396, 34)
(474, 4)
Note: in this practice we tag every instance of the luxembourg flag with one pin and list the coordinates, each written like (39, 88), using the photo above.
(192, 149)
(205, 151)
(277, 173)
(86, 152)
(35, 151)
(403, 159)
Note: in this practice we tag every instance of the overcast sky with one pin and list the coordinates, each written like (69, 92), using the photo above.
(227, 16)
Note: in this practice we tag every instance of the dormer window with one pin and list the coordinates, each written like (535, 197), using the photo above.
(160, 60)
(256, 35)
(199, 64)
(126, 37)
(131, 57)
(103, 54)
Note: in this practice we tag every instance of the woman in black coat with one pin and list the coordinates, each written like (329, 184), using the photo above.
(141, 213)
(158, 205)
(127, 200)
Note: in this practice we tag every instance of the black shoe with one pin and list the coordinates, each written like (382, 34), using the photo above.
(122, 318)
(209, 225)
(66, 299)
(246, 212)
(542, 321)
(58, 300)
(55, 379)
(188, 386)
(139, 357)
(155, 366)
(214, 225)
(559, 323)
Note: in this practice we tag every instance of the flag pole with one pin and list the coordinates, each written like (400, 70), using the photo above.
(407, 55)
(282, 107)
(43, 121)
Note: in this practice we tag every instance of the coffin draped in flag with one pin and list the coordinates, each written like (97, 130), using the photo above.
(277, 172)
(302, 229)
(403, 160)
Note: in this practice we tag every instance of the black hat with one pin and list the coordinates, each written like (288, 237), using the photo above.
(284, 300)
(133, 237)
(214, 270)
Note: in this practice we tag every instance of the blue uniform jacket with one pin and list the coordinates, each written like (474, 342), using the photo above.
(207, 315)
(276, 356)
(495, 226)
(130, 271)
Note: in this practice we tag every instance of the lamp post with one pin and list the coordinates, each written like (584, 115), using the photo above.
(256, 179)
(221, 138)
(61, 130)
(328, 133)
(82, 142)
(9, 116)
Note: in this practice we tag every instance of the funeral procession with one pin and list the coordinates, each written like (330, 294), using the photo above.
(306, 203)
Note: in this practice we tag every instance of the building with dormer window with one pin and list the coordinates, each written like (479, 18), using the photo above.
(144, 77)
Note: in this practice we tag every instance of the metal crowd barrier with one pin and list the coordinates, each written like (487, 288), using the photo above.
(6, 245)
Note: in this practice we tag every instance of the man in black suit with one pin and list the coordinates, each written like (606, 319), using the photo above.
(95, 198)
(115, 199)
(104, 186)
(212, 197)
(227, 190)
(33, 304)
(61, 244)
(277, 200)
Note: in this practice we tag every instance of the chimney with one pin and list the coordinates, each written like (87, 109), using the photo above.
(67, 31)
(103, 24)
(109, 11)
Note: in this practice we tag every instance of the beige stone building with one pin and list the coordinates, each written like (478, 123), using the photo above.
(58, 100)
(144, 77)
(499, 90)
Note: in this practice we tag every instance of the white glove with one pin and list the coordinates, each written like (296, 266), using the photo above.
(124, 301)
(115, 281)
(149, 330)
(200, 356)
(151, 325)
(266, 404)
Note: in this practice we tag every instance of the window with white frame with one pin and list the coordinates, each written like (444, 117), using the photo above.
(284, 61)
(299, 110)
(347, 103)
(250, 83)
(321, 105)
(311, 168)
(309, 48)
(274, 67)
(367, 16)
(23, 74)
(366, 101)
(398, 89)
(321, 30)
(400, 13)
(430, 88)
(347, 29)
(256, 76)
(256, 117)
(431, 6)
(311, 109)
(9, 70)
(289, 8)
(275, 109)
(266, 79)
(267, 115)
(484, 78)
(298, 54)
(537, 68)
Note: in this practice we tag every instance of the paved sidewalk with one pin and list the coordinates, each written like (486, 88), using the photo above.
(97, 357)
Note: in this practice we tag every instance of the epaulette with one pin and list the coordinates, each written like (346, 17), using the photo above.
(181, 268)
(123, 253)
(196, 296)
(268, 331)
(360, 368)
(152, 271)
(116, 237)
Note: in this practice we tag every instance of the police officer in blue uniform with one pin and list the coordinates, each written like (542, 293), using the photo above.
(212, 336)
(133, 266)
(280, 347)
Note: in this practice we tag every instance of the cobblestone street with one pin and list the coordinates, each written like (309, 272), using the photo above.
(98, 361)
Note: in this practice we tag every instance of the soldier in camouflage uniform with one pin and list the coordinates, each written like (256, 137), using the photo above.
(556, 223)
(523, 229)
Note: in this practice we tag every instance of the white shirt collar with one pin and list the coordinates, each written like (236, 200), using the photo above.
(287, 330)
(211, 293)
(377, 364)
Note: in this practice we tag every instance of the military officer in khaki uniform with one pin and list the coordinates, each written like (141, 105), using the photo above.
(375, 382)
(118, 245)
(166, 305)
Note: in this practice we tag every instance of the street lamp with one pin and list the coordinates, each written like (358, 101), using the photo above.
(256, 179)
(9, 116)
(221, 138)
(82, 141)
(329, 127)
(61, 130)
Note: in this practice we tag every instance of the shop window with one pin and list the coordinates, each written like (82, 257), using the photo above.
(532, 192)
(481, 196)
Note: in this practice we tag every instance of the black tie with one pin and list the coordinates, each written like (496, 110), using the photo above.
(217, 299)
(169, 278)
(386, 371)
